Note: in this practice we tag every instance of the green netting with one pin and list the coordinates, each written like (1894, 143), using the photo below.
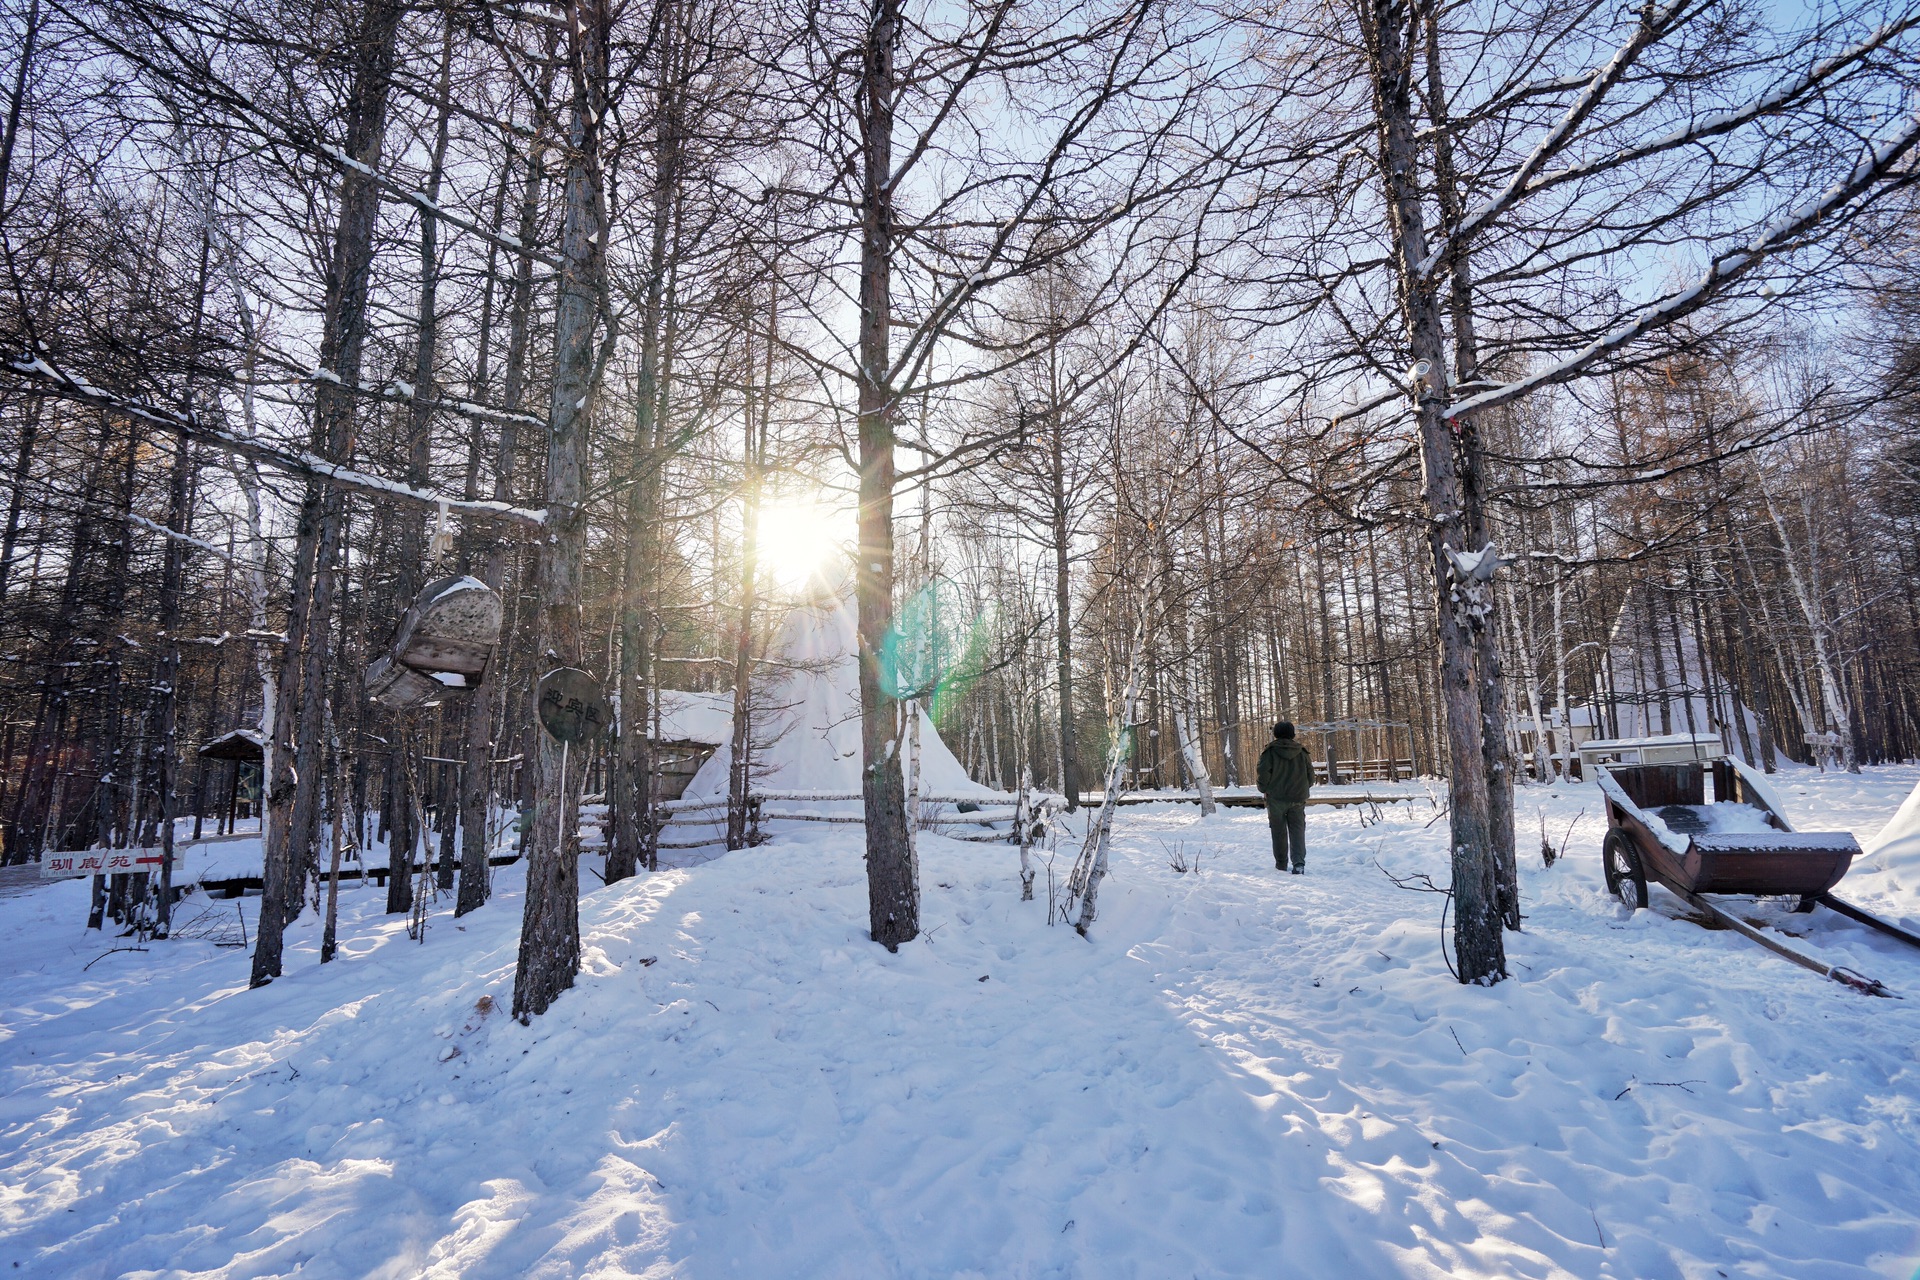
(936, 648)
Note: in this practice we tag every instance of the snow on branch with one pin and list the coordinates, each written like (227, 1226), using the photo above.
(132, 517)
(189, 539)
(1713, 124)
(1655, 25)
(294, 461)
(399, 391)
(1777, 234)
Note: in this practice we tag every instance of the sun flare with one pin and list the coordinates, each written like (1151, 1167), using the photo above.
(798, 539)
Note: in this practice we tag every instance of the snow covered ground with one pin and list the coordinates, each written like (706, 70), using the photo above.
(1241, 1074)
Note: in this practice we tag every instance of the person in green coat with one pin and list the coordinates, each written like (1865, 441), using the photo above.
(1286, 776)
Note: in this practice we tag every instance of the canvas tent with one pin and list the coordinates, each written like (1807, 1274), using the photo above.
(806, 731)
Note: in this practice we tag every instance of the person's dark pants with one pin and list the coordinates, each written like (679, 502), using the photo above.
(1288, 822)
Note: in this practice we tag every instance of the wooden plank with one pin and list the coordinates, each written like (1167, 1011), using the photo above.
(1761, 870)
(1846, 977)
(1259, 802)
(1665, 784)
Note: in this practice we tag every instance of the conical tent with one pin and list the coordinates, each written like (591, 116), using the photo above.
(1898, 844)
(806, 728)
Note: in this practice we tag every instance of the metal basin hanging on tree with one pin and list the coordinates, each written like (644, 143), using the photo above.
(443, 644)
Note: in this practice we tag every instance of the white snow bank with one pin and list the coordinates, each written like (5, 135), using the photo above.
(1899, 840)
(692, 716)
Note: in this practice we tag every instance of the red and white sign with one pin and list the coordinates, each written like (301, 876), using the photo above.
(97, 862)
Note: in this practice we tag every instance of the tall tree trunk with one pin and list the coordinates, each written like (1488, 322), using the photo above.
(753, 460)
(1062, 539)
(1329, 710)
(1496, 759)
(172, 581)
(317, 547)
(22, 469)
(1563, 734)
(255, 582)
(476, 787)
(28, 832)
(634, 837)
(1530, 684)
(1839, 715)
(893, 876)
(413, 556)
(1480, 951)
(17, 99)
(550, 926)
(1226, 650)
(1090, 867)
(118, 767)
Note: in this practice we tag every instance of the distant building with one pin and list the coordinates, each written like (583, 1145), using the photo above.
(1559, 738)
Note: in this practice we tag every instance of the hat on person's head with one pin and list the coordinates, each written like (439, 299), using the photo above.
(1284, 729)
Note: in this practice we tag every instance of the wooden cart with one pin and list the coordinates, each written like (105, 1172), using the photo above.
(1661, 826)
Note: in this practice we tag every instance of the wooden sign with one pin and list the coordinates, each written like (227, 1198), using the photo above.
(571, 706)
(97, 862)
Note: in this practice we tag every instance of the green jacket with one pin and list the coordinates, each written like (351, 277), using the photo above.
(1286, 772)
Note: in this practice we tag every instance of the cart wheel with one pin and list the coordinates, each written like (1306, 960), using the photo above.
(1808, 901)
(1625, 879)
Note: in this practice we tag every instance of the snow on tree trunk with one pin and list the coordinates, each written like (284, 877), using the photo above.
(1479, 948)
(1090, 868)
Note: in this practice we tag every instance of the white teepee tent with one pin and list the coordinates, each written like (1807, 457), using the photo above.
(806, 729)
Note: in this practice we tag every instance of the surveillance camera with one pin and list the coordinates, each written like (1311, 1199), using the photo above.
(1426, 379)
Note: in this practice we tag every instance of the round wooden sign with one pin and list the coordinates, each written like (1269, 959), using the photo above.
(571, 706)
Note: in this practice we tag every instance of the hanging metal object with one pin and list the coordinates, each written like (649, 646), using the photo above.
(442, 645)
(571, 706)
